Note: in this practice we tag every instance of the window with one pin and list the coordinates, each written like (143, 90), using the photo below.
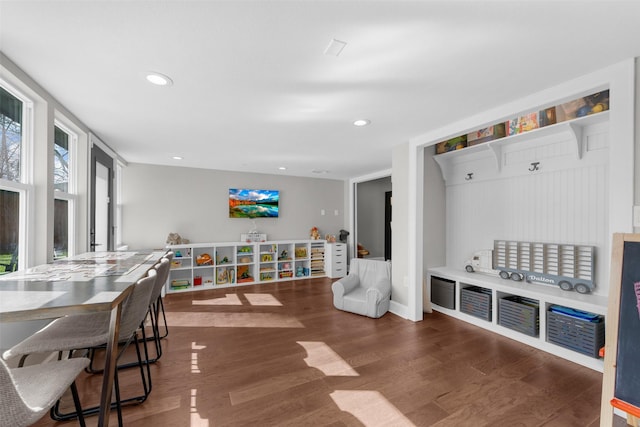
(61, 161)
(64, 199)
(118, 197)
(11, 143)
(12, 192)
(9, 226)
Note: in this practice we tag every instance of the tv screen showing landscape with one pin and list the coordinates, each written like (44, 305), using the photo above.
(245, 203)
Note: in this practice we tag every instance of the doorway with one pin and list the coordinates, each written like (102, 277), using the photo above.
(101, 223)
(387, 224)
(373, 218)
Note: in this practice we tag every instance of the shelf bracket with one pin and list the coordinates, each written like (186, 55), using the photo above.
(576, 133)
(496, 149)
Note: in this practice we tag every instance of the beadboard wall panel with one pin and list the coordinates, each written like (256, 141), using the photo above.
(565, 201)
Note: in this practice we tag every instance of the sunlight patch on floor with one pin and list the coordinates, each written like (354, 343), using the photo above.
(195, 368)
(229, 299)
(263, 299)
(195, 418)
(323, 358)
(371, 408)
(232, 320)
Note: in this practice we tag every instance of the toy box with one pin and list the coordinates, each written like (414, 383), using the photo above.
(522, 124)
(584, 106)
(547, 117)
(486, 134)
(476, 301)
(581, 335)
(443, 292)
(457, 143)
(520, 314)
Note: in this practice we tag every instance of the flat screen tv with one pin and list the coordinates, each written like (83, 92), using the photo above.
(246, 203)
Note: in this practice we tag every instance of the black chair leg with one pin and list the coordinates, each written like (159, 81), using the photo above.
(76, 403)
(164, 318)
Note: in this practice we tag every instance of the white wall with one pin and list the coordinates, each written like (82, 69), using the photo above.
(434, 222)
(399, 233)
(157, 200)
(566, 201)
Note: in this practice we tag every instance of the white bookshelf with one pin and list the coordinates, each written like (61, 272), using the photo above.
(238, 263)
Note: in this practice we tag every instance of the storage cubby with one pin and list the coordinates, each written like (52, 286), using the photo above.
(317, 258)
(476, 301)
(576, 330)
(443, 292)
(225, 255)
(520, 314)
(525, 312)
(551, 185)
(233, 264)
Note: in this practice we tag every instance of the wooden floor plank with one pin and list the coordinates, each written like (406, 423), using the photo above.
(259, 356)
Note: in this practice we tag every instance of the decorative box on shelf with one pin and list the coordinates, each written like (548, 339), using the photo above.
(486, 134)
(253, 237)
(456, 143)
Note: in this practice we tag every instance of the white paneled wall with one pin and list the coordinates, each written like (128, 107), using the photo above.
(565, 201)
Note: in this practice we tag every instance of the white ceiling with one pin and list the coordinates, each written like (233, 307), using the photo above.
(253, 90)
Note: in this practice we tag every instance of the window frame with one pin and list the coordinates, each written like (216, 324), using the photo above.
(25, 188)
(70, 196)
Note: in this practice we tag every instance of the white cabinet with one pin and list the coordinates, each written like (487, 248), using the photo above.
(497, 289)
(207, 265)
(336, 259)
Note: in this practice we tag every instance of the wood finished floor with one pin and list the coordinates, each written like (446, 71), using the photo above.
(281, 355)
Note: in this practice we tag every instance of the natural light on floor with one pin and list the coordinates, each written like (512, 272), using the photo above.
(196, 419)
(229, 299)
(262, 299)
(323, 358)
(234, 299)
(371, 408)
(195, 369)
(232, 320)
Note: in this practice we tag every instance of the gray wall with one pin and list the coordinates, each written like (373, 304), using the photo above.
(370, 214)
(157, 200)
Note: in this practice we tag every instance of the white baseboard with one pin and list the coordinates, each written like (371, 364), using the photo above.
(399, 309)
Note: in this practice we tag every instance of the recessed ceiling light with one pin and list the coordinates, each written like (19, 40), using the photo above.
(177, 158)
(335, 47)
(158, 79)
(361, 122)
(282, 168)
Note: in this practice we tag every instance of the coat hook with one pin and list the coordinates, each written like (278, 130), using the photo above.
(469, 177)
(534, 166)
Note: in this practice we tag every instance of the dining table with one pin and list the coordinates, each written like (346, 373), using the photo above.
(80, 284)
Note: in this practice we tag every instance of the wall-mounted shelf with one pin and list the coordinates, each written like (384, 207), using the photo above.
(572, 130)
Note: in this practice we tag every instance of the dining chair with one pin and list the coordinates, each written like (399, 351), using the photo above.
(157, 307)
(162, 270)
(91, 331)
(159, 301)
(27, 393)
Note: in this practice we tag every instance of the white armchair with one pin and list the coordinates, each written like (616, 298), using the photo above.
(366, 290)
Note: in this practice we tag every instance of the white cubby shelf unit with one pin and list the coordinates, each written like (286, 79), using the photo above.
(200, 266)
(545, 295)
(549, 185)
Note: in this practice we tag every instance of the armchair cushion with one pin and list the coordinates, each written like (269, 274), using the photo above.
(366, 290)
